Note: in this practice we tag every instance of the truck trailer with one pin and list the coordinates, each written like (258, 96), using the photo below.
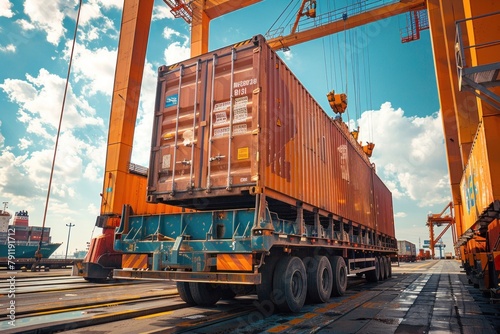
(407, 251)
(279, 197)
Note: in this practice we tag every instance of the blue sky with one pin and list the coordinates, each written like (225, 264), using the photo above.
(391, 88)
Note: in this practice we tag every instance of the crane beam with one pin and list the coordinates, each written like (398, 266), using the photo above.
(357, 20)
(216, 8)
(203, 13)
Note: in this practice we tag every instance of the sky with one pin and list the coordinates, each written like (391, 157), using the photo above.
(390, 85)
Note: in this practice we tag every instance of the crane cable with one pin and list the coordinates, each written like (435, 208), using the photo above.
(283, 12)
(370, 101)
(38, 252)
(346, 69)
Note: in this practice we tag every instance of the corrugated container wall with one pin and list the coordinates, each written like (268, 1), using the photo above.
(237, 120)
(406, 248)
(480, 184)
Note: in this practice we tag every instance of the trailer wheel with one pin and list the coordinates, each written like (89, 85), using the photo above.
(373, 275)
(319, 279)
(205, 294)
(185, 293)
(339, 276)
(389, 262)
(227, 293)
(380, 268)
(387, 267)
(290, 284)
(265, 289)
(383, 268)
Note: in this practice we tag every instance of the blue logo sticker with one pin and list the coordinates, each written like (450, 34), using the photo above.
(171, 100)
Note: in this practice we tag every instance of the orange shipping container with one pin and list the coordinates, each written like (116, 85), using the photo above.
(480, 185)
(237, 122)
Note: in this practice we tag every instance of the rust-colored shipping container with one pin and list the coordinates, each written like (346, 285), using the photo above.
(237, 122)
(421, 254)
(384, 218)
(21, 235)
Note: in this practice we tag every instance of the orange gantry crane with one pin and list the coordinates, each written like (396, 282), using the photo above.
(466, 48)
(445, 218)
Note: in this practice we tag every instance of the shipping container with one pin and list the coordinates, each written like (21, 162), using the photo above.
(37, 230)
(480, 184)
(407, 251)
(18, 228)
(421, 254)
(479, 236)
(428, 254)
(21, 235)
(236, 122)
(278, 185)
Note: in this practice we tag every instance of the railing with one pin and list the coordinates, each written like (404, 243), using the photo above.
(478, 64)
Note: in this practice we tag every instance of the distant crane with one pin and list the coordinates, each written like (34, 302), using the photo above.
(444, 218)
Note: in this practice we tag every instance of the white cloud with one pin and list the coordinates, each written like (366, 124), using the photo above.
(48, 16)
(96, 68)
(287, 55)
(24, 143)
(145, 116)
(8, 48)
(409, 154)
(111, 4)
(169, 32)
(5, 9)
(400, 214)
(162, 12)
(25, 25)
(2, 138)
(93, 18)
(40, 99)
(176, 52)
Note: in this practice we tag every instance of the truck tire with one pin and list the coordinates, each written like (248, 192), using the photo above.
(205, 294)
(380, 268)
(373, 275)
(185, 293)
(383, 265)
(265, 289)
(339, 269)
(319, 279)
(290, 284)
(387, 267)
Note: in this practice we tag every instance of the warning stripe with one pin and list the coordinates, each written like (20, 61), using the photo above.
(135, 261)
(171, 67)
(234, 262)
(242, 43)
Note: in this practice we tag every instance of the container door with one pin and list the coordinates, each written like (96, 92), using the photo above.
(178, 126)
(205, 138)
(231, 152)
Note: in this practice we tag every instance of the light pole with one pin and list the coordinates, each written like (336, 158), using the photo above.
(67, 244)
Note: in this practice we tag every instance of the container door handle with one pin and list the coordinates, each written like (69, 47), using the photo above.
(218, 157)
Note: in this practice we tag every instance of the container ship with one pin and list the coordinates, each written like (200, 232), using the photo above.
(25, 238)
